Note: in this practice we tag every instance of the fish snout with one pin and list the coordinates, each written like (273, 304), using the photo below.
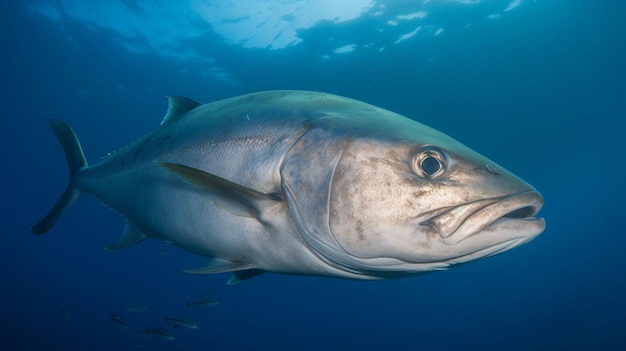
(463, 221)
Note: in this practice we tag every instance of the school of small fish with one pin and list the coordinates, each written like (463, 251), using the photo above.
(161, 331)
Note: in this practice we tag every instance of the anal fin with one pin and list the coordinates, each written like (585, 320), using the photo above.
(131, 236)
(240, 276)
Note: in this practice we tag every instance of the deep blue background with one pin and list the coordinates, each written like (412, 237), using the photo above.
(542, 92)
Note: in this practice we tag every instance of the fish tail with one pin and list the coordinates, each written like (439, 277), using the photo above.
(75, 162)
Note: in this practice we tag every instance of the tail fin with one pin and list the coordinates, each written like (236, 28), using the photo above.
(75, 162)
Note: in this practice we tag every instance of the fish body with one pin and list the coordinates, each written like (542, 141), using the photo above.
(181, 322)
(206, 302)
(307, 183)
(117, 320)
(160, 333)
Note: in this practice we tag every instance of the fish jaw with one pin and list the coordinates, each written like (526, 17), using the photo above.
(461, 222)
(488, 231)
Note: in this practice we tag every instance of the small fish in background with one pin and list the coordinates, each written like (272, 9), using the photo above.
(63, 312)
(117, 320)
(180, 322)
(159, 332)
(205, 302)
(136, 308)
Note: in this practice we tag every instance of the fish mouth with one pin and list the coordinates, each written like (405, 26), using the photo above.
(513, 215)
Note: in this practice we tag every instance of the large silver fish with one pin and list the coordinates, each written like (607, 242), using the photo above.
(303, 182)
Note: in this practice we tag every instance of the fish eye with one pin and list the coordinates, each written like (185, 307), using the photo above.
(430, 166)
(429, 163)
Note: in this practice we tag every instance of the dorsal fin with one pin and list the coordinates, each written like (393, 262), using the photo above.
(177, 107)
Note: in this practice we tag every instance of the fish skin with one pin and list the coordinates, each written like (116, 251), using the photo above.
(181, 322)
(203, 302)
(117, 320)
(308, 183)
(160, 332)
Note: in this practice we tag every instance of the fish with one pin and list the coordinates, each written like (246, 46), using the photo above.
(159, 332)
(117, 320)
(304, 183)
(205, 302)
(180, 322)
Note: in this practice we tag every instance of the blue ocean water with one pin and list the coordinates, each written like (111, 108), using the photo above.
(539, 86)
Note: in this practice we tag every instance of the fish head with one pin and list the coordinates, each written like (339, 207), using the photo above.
(428, 203)
(401, 201)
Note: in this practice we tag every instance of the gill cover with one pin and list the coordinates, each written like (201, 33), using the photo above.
(307, 175)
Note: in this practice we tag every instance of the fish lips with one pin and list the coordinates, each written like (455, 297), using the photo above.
(511, 214)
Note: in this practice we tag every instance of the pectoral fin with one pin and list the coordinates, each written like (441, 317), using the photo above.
(235, 198)
(241, 270)
(218, 265)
